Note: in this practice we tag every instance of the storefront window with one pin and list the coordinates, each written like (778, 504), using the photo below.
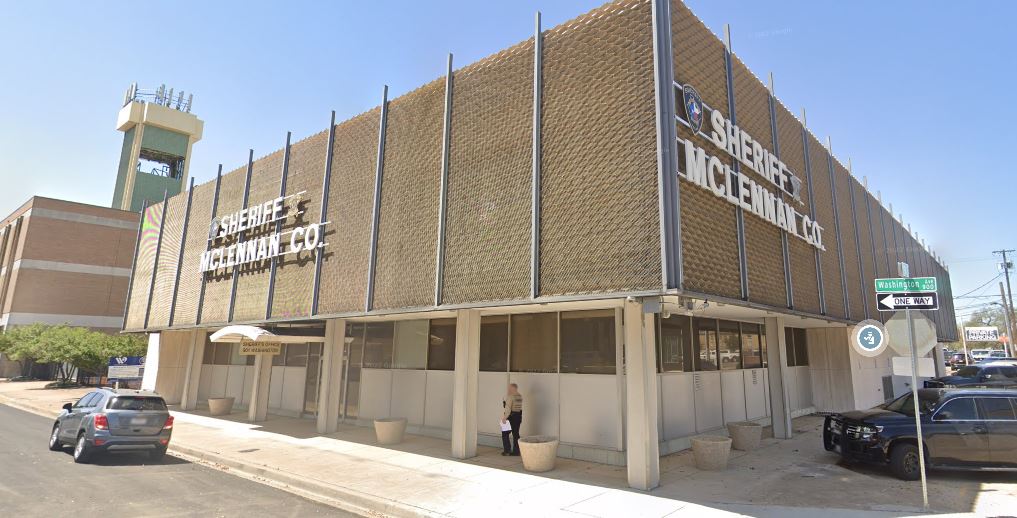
(209, 357)
(751, 346)
(409, 344)
(730, 343)
(534, 343)
(789, 346)
(222, 354)
(441, 345)
(704, 343)
(296, 355)
(762, 345)
(494, 344)
(801, 348)
(674, 344)
(588, 344)
(378, 345)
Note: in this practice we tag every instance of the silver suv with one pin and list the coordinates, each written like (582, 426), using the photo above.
(114, 420)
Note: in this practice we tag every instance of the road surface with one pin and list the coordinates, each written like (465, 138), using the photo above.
(37, 482)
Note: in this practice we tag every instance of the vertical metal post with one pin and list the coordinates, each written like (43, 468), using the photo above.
(743, 263)
(439, 262)
(326, 180)
(858, 244)
(134, 263)
(155, 260)
(872, 239)
(240, 235)
(1006, 320)
(918, 415)
(180, 255)
(785, 247)
(836, 224)
(812, 212)
(376, 211)
(667, 146)
(278, 227)
(538, 89)
(208, 244)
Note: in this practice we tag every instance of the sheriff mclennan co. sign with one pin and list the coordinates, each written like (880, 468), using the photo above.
(716, 175)
(262, 248)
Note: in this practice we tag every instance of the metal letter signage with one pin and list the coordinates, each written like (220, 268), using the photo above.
(898, 301)
(716, 175)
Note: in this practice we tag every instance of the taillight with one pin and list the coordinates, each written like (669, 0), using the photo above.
(169, 423)
(100, 422)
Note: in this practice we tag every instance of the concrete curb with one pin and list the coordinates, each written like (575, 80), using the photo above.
(347, 499)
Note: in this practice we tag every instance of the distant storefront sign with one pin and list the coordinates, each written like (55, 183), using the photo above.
(126, 367)
(981, 334)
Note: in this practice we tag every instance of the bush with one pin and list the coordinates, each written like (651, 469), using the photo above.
(88, 351)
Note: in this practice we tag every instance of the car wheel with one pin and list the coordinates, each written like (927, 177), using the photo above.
(904, 462)
(54, 439)
(81, 449)
(157, 454)
(827, 439)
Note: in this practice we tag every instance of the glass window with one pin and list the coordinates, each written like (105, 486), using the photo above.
(222, 354)
(762, 345)
(278, 360)
(961, 409)
(752, 350)
(997, 409)
(86, 401)
(441, 345)
(801, 348)
(208, 358)
(378, 345)
(789, 346)
(730, 343)
(137, 403)
(675, 344)
(236, 358)
(534, 343)
(494, 344)
(296, 355)
(409, 344)
(588, 344)
(704, 343)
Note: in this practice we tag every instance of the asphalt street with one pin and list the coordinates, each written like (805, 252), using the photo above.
(37, 482)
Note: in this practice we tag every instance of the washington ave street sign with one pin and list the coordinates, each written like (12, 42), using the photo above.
(906, 285)
(898, 301)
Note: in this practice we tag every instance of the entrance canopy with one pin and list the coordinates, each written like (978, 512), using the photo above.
(256, 334)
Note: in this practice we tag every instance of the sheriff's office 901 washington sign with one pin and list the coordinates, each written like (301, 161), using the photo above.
(712, 173)
(299, 239)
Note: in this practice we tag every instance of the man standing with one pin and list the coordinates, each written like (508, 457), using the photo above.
(512, 412)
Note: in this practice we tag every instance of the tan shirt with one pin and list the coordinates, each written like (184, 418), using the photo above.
(513, 403)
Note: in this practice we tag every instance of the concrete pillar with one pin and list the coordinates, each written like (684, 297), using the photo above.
(776, 358)
(258, 408)
(641, 439)
(148, 381)
(464, 384)
(192, 372)
(330, 387)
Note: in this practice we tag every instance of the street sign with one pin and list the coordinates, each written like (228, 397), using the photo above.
(897, 301)
(869, 338)
(909, 284)
(981, 334)
(126, 367)
(923, 333)
(902, 366)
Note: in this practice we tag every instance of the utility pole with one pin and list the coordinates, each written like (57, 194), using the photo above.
(1008, 300)
(1008, 345)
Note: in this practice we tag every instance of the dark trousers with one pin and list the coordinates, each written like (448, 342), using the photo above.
(515, 419)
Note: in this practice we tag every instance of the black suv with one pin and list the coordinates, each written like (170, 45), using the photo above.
(988, 376)
(962, 428)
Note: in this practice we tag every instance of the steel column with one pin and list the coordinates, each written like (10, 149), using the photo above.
(208, 244)
(785, 248)
(376, 211)
(538, 90)
(240, 235)
(155, 260)
(667, 147)
(180, 255)
(836, 225)
(743, 263)
(134, 263)
(439, 262)
(278, 226)
(812, 214)
(319, 255)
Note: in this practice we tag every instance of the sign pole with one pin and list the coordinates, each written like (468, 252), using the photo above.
(964, 342)
(1008, 344)
(914, 397)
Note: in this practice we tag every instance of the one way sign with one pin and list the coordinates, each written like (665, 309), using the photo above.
(897, 301)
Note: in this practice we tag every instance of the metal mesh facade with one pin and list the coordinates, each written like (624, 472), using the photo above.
(487, 232)
(763, 248)
(849, 244)
(410, 191)
(169, 254)
(600, 223)
(189, 287)
(351, 197)
(252, 283)
(219, 284)
(708, 224)
(295, 272)
(822, 189)
(867, 248)
(144, 262)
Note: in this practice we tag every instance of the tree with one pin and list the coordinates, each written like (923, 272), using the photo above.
(68, 348)
(22, 345)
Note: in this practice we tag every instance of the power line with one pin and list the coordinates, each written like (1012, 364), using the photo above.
(982, 286)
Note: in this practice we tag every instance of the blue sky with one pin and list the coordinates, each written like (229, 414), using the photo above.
(915, 93)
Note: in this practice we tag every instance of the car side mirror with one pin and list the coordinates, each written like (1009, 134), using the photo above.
(67, 407)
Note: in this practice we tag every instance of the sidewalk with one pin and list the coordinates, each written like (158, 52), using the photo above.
(419, 477)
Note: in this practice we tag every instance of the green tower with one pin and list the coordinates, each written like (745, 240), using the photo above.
(159, 131)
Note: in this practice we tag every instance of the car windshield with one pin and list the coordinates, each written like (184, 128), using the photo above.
(137, 403)
(905, 405)
(967, 372)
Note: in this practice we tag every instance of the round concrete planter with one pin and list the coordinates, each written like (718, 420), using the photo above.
(220, 405)
(390, 430)
(538, 452)
(711, 452)
(745, 435)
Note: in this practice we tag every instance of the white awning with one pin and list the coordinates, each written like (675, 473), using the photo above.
(256, 334)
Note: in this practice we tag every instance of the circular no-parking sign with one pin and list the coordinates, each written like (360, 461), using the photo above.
(869, 338)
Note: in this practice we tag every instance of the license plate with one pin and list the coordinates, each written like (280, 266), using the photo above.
(138, 420)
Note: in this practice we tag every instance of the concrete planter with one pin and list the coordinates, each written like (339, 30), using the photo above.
(745, 435)
(390, 430)
(220, 405)
(539, 452)
(711, 452)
